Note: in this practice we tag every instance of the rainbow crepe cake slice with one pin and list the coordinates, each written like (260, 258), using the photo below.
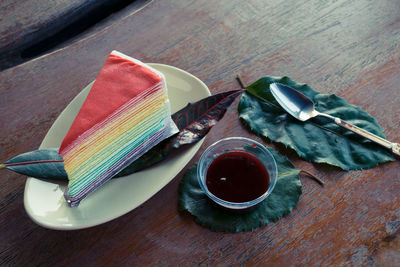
(126, 113)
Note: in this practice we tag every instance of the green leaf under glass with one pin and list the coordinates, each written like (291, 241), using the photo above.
(282, 200)
(317, 140)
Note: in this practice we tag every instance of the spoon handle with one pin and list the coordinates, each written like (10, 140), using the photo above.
(394, 147)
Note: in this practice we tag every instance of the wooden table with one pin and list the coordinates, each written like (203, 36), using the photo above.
(350, 48)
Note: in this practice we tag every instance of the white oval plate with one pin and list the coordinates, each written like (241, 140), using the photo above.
(44, 201)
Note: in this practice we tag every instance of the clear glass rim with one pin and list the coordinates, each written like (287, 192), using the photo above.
(238, 205)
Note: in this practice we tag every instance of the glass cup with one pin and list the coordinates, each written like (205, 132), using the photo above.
(234, 144)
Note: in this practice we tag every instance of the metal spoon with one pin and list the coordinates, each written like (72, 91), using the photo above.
(302, 108)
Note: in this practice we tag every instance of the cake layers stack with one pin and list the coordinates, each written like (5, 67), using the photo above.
(126, 113)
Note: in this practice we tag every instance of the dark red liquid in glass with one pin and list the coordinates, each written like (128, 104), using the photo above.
(237, 176)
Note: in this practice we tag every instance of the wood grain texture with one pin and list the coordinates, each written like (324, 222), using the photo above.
(349, 48)
(31, 28)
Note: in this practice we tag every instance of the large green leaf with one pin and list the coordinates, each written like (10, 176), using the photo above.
(282, 200)
(319, 139)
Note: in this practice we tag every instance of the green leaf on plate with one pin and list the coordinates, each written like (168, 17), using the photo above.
(319, 139)
(43, 163)
(282, 200)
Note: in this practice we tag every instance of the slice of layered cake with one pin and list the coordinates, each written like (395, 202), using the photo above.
(126, 113)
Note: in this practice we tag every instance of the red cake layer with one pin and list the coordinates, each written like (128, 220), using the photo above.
(105, 97)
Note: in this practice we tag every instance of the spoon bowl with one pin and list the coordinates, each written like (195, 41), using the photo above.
(294, 102)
